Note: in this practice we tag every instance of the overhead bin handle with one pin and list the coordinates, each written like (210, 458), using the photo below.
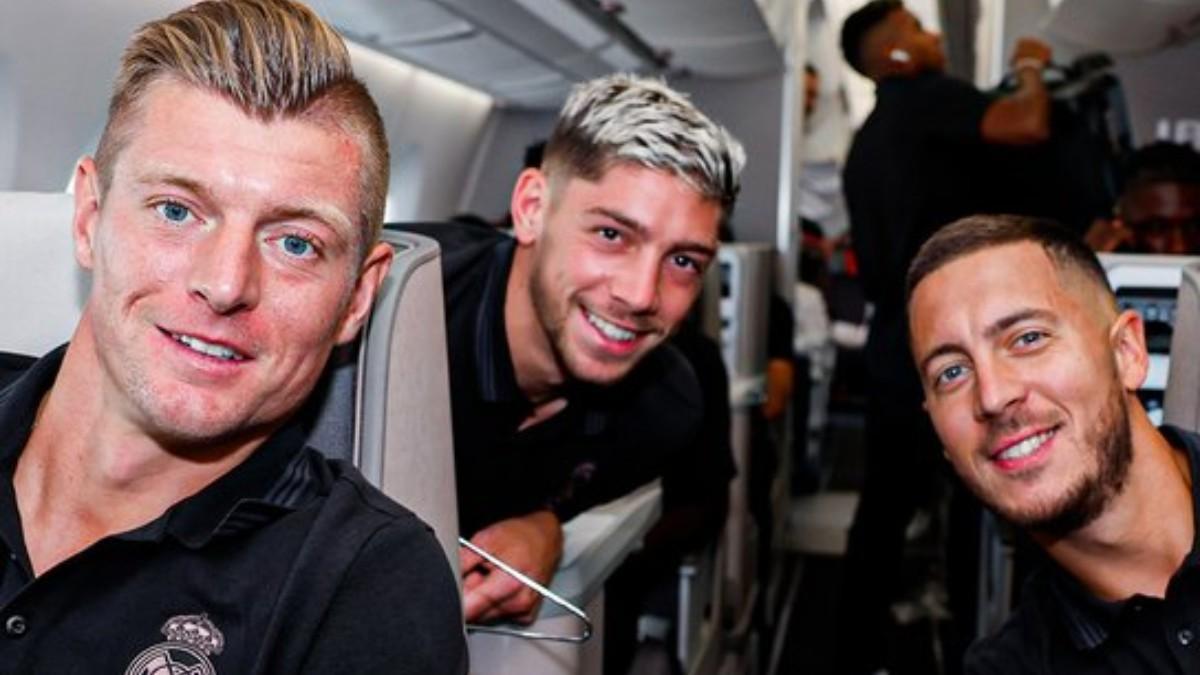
(540, 590)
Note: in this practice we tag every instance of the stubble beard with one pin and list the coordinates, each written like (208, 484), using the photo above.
(1112, 445)
(553, 323)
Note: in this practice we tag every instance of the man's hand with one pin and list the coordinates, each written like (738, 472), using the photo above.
(1032, 52)
(532, 544)
(1108, 235)
(780, 374)
(1022, 117)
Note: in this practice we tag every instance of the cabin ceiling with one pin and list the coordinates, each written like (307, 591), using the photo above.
(1125, 26)
(527, 53)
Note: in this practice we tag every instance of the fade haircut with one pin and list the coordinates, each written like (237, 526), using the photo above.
(975, 233)
(274, 59)
(859, 25)
(624, 118)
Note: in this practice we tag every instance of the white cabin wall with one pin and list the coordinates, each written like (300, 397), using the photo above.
(58, 60)
(499, 159)
(1162, 94)
(8, 124)
(434, 126)
(751, 108)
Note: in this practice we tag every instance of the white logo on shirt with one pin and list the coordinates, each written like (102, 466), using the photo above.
(191, 639)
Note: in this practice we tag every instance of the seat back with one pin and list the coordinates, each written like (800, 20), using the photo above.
(403, 441)
(1149, 284)
(383, 402)
(1182, 402)
(42, 288)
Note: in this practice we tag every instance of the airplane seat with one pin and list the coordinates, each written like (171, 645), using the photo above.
(1182, 401)
(42, 288)
(1154, 286)
(384, 401)
(386, 406)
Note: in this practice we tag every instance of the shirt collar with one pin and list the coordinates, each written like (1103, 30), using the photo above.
(279, 476)
(497, 377)
(1088, 619)
(19, 402)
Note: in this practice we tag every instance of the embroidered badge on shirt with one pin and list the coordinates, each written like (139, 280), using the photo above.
(191, 639)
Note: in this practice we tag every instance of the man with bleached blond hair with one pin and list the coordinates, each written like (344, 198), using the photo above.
(564, 392)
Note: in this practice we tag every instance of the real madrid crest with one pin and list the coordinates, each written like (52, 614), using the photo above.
(191, 639)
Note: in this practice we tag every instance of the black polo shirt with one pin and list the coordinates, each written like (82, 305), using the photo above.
(1061, 628)
(606, 442)
(289, 563)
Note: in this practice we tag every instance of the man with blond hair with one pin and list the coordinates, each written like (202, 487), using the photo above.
(161, 511)
(564, 395)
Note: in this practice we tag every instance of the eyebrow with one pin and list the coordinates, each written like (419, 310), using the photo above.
(995, 328)
(1008, 321)
(331, 217)
(161, 177)
(641, 230)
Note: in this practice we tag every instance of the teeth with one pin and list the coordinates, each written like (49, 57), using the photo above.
(611, 331)
(198, 345)
(1026, 447)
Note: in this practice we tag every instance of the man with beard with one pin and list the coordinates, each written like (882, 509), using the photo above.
(563, 393)
(1030, 373)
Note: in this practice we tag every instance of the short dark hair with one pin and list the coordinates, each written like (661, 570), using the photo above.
(1162, 162)
(975, 233)
(861, 22)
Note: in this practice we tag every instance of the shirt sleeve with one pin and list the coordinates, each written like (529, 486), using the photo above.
(781, 328)
(396, 611)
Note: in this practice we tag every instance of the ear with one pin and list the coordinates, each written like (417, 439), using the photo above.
(86, 185)
(898, 61)
(374, 268)
(529, 205)
(1127, 337)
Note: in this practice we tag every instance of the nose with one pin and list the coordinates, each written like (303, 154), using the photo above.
(224, 271)
(636, 284)
(997, 387)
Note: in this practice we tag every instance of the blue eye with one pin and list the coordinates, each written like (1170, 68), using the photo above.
(297, 246)
(173, 212)
(949, 375)
(1030, 338)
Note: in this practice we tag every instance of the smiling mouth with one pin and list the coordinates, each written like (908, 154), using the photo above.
(207, 348)
(610, 330)
(1026, 447)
